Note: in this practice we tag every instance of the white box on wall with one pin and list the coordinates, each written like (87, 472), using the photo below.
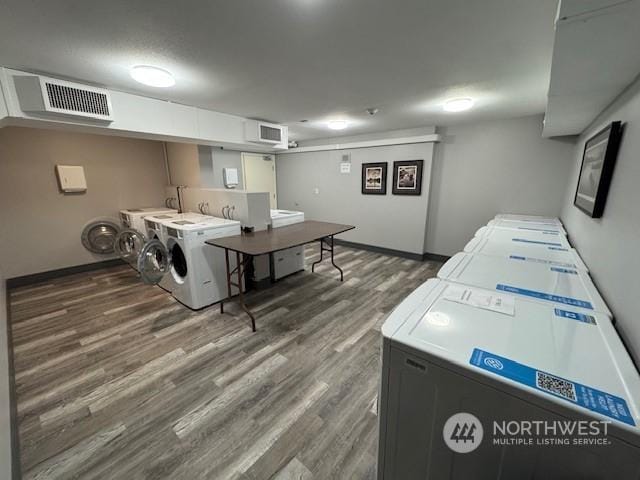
(71, 178)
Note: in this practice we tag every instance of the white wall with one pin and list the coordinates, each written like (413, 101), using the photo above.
(610, 245)
(484, 168)
(41, 226)
(389, 221)
(5, 410)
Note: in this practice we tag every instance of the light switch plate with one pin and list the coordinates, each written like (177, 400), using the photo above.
(71, 178)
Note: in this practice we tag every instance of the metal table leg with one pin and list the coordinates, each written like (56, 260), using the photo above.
(241, 264)
(328, 248)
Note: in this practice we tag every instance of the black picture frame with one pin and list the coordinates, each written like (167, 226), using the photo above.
(598, 162)
(404, 185)
(369, 171)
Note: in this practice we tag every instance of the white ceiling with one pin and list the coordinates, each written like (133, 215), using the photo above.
(288, 60)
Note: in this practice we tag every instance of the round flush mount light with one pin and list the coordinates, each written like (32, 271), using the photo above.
(152, 76)
(458, 104)
(338, 124)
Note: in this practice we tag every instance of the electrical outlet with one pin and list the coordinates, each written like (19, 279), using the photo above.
(316, 190)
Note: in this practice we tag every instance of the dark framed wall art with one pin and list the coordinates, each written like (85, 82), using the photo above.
(407, 177)
(598, 161)
(374, 178)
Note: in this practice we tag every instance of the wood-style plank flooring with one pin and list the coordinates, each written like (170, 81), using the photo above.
(115, 379)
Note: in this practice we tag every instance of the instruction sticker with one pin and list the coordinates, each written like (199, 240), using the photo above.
(546, 232)
(587, 397)
(558, 249)
(563, 270)
(580, 317)
(543, 261)
(537, 242)
(484, 299)
(545, 296)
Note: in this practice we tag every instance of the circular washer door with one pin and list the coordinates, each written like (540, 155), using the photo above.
(154, 262)
(99, 236)
(179, 268)
(128, 245)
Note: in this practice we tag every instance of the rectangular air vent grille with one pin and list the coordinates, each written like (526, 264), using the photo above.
(77, 100)
(270, 133)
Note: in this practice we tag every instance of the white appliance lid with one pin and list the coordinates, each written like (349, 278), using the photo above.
(551, 240)
(284, 213)
(204, 222)
(525, 251)
(530, 280)
(147, 211)
(468, 326)
(532, 226)
(529, 218)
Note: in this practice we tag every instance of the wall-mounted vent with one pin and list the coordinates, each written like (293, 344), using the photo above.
(50, 96)
(262, 132)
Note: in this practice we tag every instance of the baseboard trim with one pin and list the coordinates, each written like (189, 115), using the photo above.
(61, 272)
(396, 253)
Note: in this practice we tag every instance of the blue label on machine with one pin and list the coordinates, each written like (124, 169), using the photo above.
(587, 397)
(580, 317)
(545, 296)
(546, 232)
(559, 249)
(563, 270)
(524, 240)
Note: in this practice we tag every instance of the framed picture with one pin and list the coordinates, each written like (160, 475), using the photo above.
(374, 178)
(598, 160)
(407, 177)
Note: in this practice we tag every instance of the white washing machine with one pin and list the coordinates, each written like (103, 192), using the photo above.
(551, 240)
(133, 218)
(528, 252)
(450, 348)
(285, 262)
(533, 281)
(529, 218)
(527, 226)
(197, 272)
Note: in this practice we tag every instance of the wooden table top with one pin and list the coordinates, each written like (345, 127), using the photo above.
(276, 239)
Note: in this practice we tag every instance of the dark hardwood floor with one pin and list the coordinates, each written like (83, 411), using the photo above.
(116, 380)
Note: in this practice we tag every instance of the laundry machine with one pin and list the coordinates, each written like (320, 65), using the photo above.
(480, 384)
(529, 218)
(532, 226)
(196, 271)
(525, 251)
(285, 262)
(133, 218)
(530, 280)
(551, 240)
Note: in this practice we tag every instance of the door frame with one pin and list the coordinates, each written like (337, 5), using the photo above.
(243, 156)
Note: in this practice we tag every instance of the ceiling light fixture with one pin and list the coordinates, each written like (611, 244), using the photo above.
(152, 76)
(338, 124)
(458, 104)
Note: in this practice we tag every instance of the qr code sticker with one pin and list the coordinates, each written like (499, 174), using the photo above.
(555, 385)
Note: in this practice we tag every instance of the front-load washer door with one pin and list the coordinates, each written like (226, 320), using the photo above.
(154, 262)
(179, 267)
(128, 245)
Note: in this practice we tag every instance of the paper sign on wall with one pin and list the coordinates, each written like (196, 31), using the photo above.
(345, 167)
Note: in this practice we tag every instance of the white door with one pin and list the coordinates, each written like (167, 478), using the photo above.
(259, 175)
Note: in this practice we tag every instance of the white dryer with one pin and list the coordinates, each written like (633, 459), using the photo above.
(133, 218)
(551, 240)
(527, 226)
(529, 218)
(530, 280)
(285, 262)
(450, 349)
(525, 251)
(197, 272)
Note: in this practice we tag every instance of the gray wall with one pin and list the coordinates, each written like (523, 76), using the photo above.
(610, 245)
(5, 411)
(213, 161)
(41, 227)
(484, 168)
(389, 221)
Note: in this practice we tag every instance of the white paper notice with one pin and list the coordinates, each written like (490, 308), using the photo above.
(485, 299)
(345, 167)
